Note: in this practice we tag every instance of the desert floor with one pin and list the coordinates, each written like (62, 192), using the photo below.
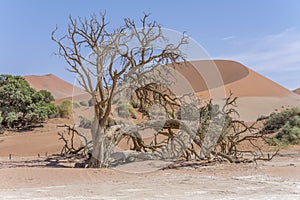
(35, 178)
(29, 176)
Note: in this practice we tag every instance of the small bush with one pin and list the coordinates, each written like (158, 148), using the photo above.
(65, 108)
(277, 120)
(290, 133)
(126, 110)
(287, 123)
(1, 127)
(52, 110)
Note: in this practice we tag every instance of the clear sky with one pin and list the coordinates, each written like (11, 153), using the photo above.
(262, 34)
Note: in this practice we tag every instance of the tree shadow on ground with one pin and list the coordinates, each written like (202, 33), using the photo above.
(51, 161)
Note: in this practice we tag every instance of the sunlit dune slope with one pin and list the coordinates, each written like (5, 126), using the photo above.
(59, 88)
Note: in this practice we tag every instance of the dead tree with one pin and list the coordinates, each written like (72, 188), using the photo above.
(118, 55)
(70, 147)
(199, 138)
(126, 62)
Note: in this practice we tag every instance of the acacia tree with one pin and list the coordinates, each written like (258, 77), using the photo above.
(127, 52)
(22, 106)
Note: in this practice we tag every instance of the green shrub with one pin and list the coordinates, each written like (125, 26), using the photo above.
(277, 120)
(289, 134)
(295, 120)
(287, 123)
(126, 110)
(21, 105)
(11, 119)
(43, 96)
(65, 108)
(42, 112)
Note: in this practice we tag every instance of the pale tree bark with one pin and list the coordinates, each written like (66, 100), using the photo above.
(103, 59)
(108, 62)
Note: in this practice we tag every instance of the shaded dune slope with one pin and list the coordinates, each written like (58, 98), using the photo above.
(241, 80)
(297, 91)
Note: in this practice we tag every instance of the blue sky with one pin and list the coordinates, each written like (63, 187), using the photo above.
(263, 35)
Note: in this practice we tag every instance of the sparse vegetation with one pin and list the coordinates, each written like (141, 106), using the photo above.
(277, 120)
(287, 124)
(65, 108)
(126, 110)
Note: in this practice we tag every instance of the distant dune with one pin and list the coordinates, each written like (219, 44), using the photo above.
(59, 88)
(257, 95)
(215, 79)
(297, 91)
(236, 77)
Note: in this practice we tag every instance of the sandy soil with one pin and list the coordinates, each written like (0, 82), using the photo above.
(252, 107)
(27, 176)
(41, 140)
(277, 179)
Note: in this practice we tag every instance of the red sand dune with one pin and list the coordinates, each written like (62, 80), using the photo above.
(241, 80)
(297, 91)
(257, 94)
(59, 88)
